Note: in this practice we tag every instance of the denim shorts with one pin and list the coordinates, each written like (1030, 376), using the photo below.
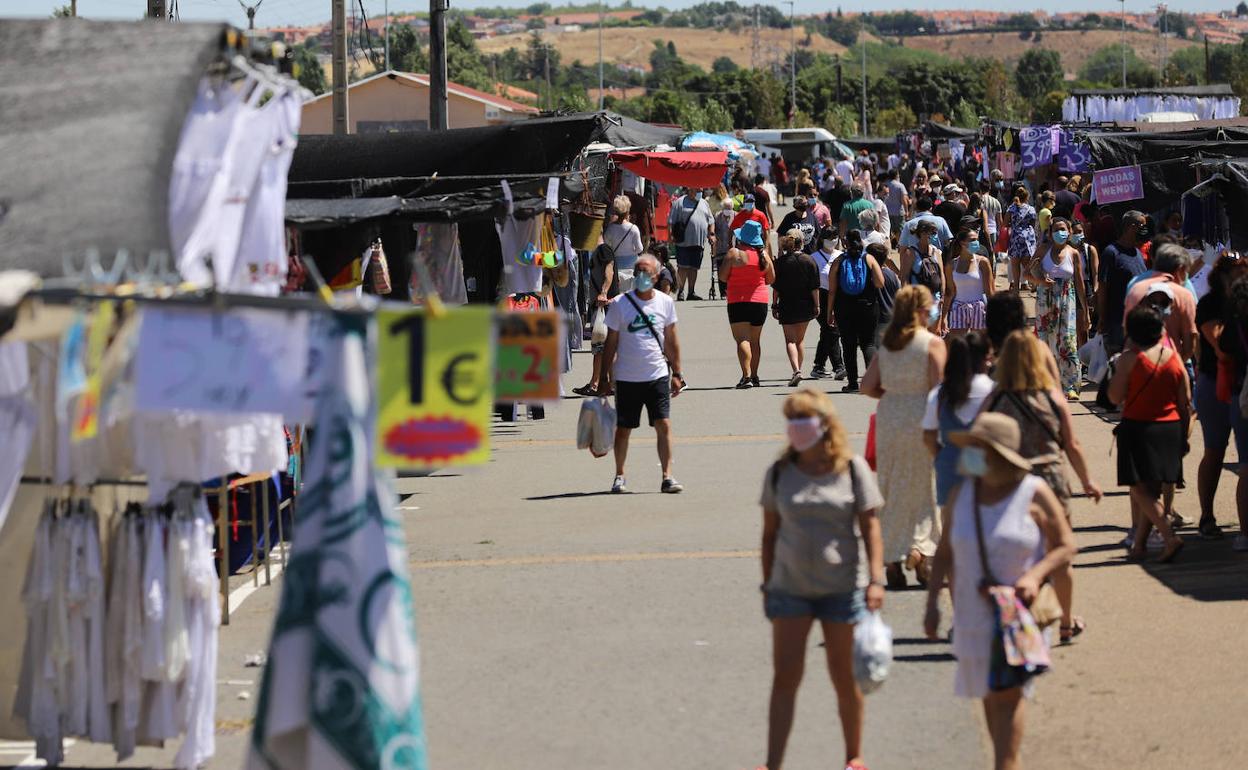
(833, 608)
(1218, 420)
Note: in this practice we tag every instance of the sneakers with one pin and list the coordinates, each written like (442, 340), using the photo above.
(754, 381)
(839, 374)
(818, 373)
(744, 384)
(619, 487)
(693, 297)
(1155, 543)
(671, 486)
(795, 380)
(1179, 521)
(851, 388)
(1240, 543)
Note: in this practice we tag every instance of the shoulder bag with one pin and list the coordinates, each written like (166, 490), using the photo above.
(1018, 651)
(653, 333)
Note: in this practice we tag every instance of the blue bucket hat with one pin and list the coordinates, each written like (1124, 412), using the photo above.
(750, 233)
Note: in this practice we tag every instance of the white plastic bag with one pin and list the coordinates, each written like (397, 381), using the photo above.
(873, 652)
(604, 428)
(585, 423)
(599, 334)
(1095, 357)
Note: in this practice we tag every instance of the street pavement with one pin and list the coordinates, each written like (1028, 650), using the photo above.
(563, 627)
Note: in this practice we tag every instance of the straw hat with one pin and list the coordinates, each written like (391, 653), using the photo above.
(997, 432)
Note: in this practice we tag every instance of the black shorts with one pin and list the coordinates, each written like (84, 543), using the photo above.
(630, 397)
(689, 257)
(752, 313)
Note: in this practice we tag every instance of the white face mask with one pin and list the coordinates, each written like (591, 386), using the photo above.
(828, 246)
(973, 462)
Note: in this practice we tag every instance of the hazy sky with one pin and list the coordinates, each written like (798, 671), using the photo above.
(281, 12)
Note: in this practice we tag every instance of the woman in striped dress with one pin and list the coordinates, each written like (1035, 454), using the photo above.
(968, 284)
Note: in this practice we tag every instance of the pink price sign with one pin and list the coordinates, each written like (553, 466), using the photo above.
(1115, 185)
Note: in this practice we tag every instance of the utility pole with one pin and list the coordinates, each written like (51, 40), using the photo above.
(838, 78)
(792, 66)
(863, 43)
(387, 35)
(1161, 38)
(437, 64)
(601, 92)
(754, 42)
(251, 12)
(339, 68)
(1124, 42)
(73, 9)
(1208, 73)
(550, 102)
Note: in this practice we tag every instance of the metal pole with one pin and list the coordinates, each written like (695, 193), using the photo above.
(550, 102)
(792, 66)
(437, 65)
(268, 530)
(1208, 74)
(73, 9)
(387, 34)
(223, 546)
(601, 92)
(255, 538)
(1161, 34)
(339, 68)
(1124, 42)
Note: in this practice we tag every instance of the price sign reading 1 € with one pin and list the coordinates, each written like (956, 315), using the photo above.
(435, 387)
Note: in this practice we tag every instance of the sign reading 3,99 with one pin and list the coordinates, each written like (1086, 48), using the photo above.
(435, 387)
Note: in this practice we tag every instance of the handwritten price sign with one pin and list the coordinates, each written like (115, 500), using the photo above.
(239, 361)
(527, 367)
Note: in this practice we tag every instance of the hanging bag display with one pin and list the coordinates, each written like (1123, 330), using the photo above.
(586, 218)
(380, 269)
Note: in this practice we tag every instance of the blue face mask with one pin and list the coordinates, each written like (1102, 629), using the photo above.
(698, 195)
(812, 201)
(1076, 239)
(748, 207)
(975, 247)
(1060, 236)
(643, 281)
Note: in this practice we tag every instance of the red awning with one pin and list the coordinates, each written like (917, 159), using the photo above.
(690, 169)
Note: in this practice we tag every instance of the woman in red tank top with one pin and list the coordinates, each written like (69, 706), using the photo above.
(748, 271)
(1151, 385)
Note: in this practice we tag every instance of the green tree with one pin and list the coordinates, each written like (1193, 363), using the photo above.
(406, 54)
(538, 53)
(309, 71)
(893, 120)
(1021, 21)
(724, 64)
(1105, 68)
(841, 120)
(537, 22)
(1049, 108)
(1241, 10)
(464, 63)
(1038, 72)
(63, 12)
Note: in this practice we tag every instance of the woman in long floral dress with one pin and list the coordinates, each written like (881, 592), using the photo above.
(1022, 245)
(1057, 273)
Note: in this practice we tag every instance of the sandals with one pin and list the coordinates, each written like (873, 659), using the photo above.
(1067, 633)
(1171, 551)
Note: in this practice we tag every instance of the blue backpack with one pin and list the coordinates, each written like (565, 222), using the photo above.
(853, 277)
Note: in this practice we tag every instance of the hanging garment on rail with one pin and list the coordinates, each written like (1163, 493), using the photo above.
(437, 244)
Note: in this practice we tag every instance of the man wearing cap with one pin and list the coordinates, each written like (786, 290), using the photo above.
(1171, 262)
(749, 213)
(856, 205)
(692, 227)
(951, 208)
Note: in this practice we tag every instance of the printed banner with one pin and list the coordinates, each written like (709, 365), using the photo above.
(1037, 146)
(86, 422)
(1115, 185)
(528, 357)
(435, 387)
(1075, 157)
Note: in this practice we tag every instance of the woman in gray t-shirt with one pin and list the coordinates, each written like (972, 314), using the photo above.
(822, 560)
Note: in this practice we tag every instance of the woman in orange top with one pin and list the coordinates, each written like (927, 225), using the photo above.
(1151, 384)
(748, 271)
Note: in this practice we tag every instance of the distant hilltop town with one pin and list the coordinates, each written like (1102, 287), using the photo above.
(1228, 27)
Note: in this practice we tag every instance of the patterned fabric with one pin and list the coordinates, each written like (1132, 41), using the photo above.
(342, 687)
(967, 315)
(1056, 327)
(1022, 230)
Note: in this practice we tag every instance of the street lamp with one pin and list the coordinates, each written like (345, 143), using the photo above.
(601, 93)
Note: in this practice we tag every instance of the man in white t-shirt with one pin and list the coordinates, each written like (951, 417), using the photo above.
(845, 170)
(641, 339)
(764, 166)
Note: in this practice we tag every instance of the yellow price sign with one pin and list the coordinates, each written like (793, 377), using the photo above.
(435, 387)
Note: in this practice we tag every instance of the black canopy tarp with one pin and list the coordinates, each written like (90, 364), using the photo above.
(621, 132)
(1166, 159)
(90, 115)
(538, 145)
(934, 130)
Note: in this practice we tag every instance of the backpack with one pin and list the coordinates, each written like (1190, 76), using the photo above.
(853, 275)
(679, 225)
(929, 274)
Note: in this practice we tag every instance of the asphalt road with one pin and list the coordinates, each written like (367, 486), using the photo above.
(562, 627)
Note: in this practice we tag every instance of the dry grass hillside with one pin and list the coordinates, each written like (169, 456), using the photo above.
(1074, 46)
(631, 46)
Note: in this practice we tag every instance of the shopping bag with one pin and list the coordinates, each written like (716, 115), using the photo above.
(1094, 356)
(869, 453)
(604, 429)
(599, 334)
(873, 652)
(585, 424)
